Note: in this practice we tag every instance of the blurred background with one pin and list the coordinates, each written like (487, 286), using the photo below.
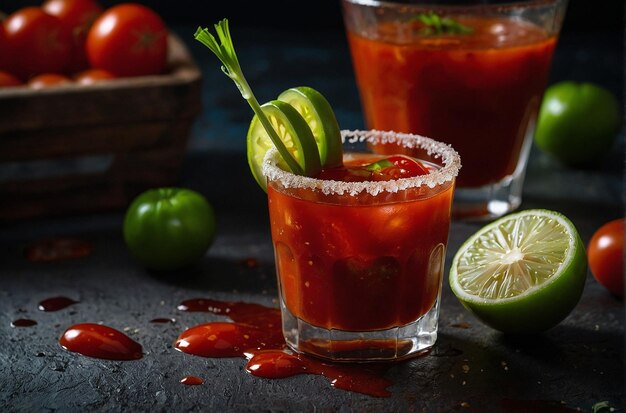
(582, 15)
(307, 33)
(313, 32)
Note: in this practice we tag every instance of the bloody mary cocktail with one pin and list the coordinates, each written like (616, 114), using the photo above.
(360, 255)
(478, 89)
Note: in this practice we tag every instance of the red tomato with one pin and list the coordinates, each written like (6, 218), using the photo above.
(47, 80)
(4, 51)
(606, 256)
(76, 17)
(37, 42)
(7, 80)
(91, 76)
(406, 167)
(128, 40)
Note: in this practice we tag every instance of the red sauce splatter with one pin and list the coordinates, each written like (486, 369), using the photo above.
(58, 249)
(163, 320)
(191, 380)
(55, 303)
(23, 322)
(256, 315)
(256, 334)
(99, 341)
(367, 379)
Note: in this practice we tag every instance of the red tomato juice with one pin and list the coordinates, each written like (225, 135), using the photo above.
(360, 263)
(477, 92)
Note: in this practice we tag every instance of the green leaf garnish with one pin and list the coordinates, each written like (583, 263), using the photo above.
(225, 51)
(379, 165)
(435, 25)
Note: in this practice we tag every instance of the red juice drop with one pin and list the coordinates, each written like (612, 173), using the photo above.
(58, 249)
(163, 320)
(273, 364)
(250, 262)
(191, 380)
(246, 313)
(367, 379)
(256, 334)
(99, 341)
(23, 322)
(226, 340)
(55, 303)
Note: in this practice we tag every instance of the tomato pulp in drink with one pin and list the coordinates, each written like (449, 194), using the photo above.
(479, 92)
(359, 262)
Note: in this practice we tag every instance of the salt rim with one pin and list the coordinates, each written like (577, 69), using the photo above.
(449, 157)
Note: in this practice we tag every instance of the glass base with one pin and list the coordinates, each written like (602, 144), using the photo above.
(487, 202)
(396, 343)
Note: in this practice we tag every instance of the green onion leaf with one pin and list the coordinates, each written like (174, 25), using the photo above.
(225, 51)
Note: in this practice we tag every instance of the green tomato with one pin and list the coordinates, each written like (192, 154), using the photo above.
(578, 122)
(169, 228)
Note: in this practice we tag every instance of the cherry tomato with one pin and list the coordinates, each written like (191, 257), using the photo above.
(396, 167)
(606, 256)
(407, 167)
(77, 17)
(37, 42)
(128, 40)
(47, 80)
(91, 76)
(8, 80)
(4, 50)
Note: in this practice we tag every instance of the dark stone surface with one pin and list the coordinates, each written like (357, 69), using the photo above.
(472, 368)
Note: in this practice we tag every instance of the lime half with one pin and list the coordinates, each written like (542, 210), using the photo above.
(319, 115)
(294, 133)
(523, 273)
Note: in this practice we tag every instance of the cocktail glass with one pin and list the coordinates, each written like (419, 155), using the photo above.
(470, 73)
(360, 264)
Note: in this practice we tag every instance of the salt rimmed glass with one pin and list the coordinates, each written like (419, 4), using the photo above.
(360, 264)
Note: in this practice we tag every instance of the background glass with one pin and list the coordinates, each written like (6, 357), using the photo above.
(476, 86)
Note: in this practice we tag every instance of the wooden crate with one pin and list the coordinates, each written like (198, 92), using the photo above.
(76, 149)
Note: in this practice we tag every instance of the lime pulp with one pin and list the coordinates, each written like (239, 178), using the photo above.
(523, 273)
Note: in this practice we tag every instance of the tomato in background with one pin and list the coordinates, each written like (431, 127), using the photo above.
(37, 43)
(128, 40)
(8, 80)
(77, 17)
(45, 80)
(4, 52)
(606, 256)
(91, 76)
